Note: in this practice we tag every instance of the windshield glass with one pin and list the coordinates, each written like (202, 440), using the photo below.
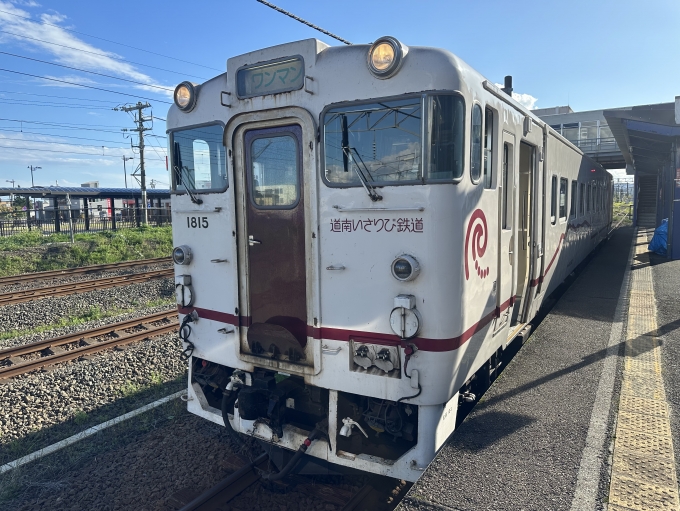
(378, 143)
(198, 160)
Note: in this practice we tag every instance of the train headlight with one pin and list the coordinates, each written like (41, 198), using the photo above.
(405, 268)
(385, 57)
(181, 255)
(185, 96)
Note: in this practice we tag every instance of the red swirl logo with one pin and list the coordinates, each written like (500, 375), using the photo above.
(480, 233)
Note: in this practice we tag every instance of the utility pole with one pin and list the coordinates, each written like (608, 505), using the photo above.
(33, 169)
(126, 158)
(139, 121)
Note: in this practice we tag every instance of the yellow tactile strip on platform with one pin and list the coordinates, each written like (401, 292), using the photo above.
(643, 469)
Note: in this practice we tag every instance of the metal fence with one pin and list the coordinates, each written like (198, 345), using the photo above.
(597, 145)
(84, 220)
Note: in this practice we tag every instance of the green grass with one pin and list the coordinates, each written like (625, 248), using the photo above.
(91, 314)
(32, 251)
(621, 209)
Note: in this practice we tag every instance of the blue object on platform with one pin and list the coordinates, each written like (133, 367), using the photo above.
(659, 243)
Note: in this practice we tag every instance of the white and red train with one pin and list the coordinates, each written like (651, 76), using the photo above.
(360, 232)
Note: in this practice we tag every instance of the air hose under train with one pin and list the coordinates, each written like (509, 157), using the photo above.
(185, 333)
(275, 476)
(228, 399)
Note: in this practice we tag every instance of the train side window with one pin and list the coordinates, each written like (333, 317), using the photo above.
(582, 200)
(563, 198)
(553, 201)
(572, 205)
(506, 192)
(488, 147)
(592, 197)
(588, 198)
(476, 144)
(447, 138)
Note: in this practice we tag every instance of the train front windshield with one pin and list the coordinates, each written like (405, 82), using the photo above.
(382, 142)
(198, 160)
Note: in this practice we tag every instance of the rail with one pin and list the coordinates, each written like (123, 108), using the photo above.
(53, 351)
(67, 272)
(83, 286)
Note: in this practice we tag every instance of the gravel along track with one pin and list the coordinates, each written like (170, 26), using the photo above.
(148, 460)
(77, 275)
(43, 407)
(47, 311)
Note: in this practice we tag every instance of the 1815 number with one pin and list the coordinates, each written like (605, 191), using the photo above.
(197, 222)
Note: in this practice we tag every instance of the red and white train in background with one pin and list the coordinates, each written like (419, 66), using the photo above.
(360, 232)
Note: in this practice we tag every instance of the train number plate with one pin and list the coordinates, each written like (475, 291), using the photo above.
(197, 222)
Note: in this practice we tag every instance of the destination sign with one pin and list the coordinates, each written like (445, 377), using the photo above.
(280, 76)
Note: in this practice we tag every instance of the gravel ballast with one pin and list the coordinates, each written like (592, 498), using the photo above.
(50, 310)
(66, 330)
(70, 278)
(74, 390)
(179, 453)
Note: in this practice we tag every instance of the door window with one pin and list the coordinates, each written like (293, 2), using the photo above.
(488, 146)
(274, 172)
(506, 207)
(572, 206)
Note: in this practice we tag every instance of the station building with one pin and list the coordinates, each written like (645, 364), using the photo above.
(645, 141)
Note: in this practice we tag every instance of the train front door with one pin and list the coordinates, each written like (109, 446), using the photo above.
(272, 195)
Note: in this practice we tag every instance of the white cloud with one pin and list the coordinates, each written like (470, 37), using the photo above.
(104, 62)
(526, 100)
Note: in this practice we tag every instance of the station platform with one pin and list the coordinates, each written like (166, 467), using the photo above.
(587, 414)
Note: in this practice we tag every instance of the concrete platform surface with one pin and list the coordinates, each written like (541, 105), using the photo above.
(523, 447)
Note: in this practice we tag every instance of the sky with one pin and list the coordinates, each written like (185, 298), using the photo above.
(66, 64)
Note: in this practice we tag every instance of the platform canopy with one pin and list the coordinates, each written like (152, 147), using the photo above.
(81, 191)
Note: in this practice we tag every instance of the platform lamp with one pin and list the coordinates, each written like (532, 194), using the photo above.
(33, 169)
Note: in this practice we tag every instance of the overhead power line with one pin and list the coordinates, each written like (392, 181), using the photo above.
(86, 71)
(85, 86)
(59, 136)
(304, 22)
(112, 57)
(52, 105)
(60, 143)
(60, 97)
(66, 152)
(107, 40)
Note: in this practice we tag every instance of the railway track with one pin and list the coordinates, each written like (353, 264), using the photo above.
(379, 494)
(83, 270)
(29, 357)
(81, 287)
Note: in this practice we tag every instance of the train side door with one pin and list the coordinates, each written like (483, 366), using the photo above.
(527, 163)
(506, 240)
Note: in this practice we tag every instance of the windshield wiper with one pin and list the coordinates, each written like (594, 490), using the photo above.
(184, 179)
(370, 189)
(347, 157)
